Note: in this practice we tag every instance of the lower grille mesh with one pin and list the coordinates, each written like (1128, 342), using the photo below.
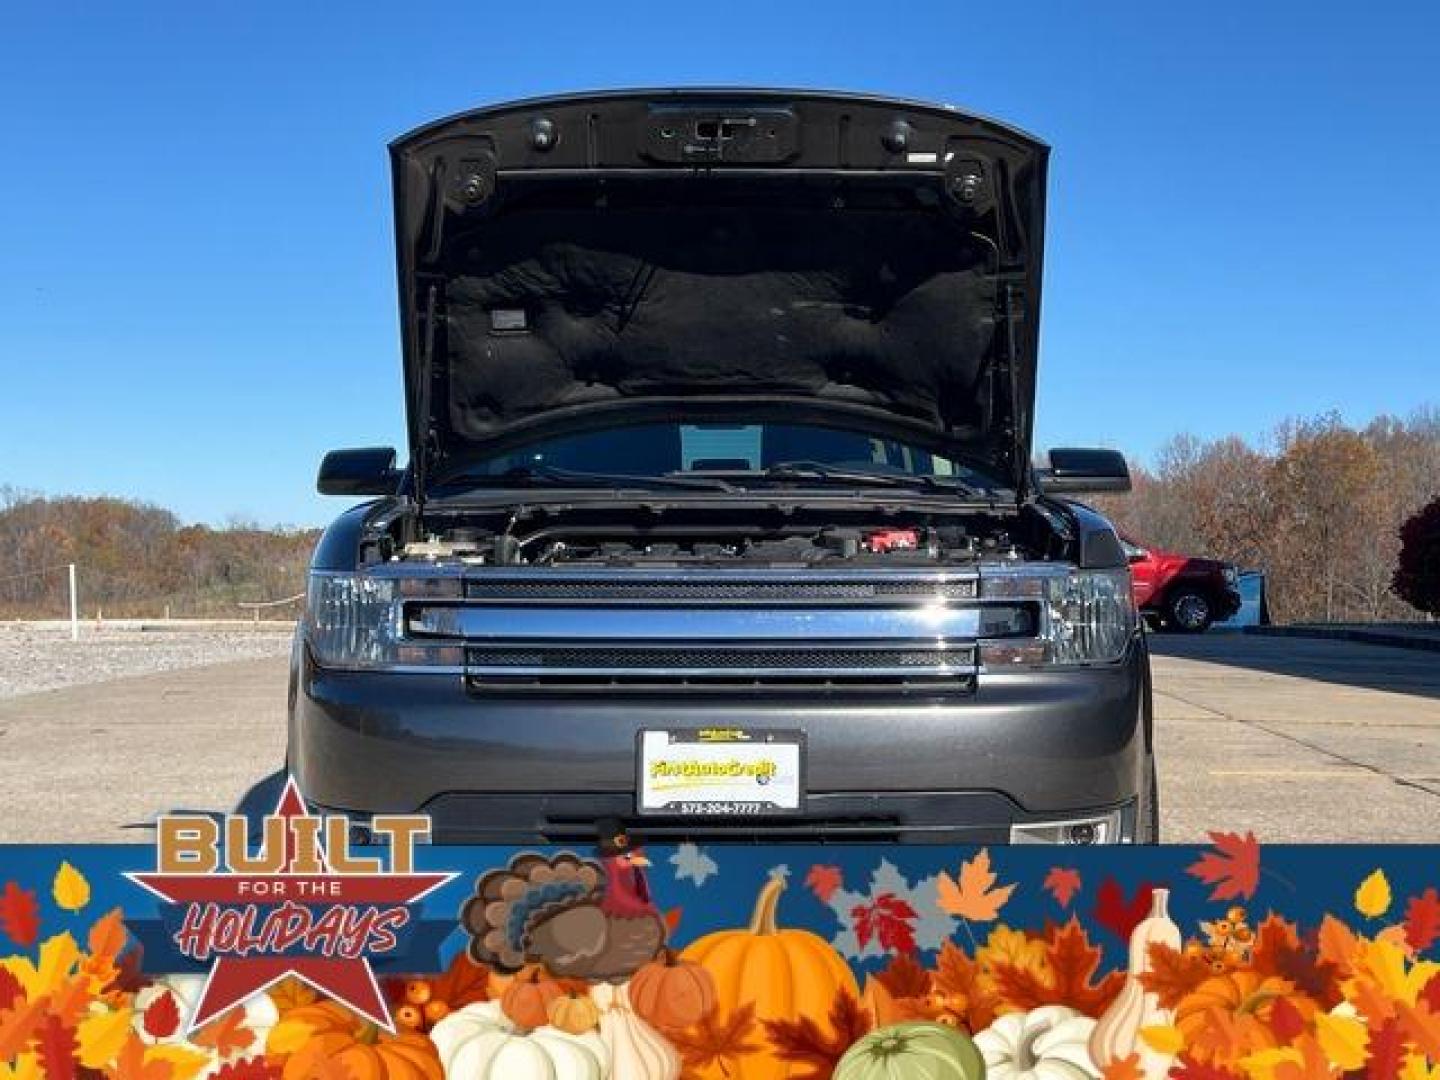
(564, 658)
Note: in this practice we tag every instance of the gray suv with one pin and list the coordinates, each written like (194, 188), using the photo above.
(720, 516)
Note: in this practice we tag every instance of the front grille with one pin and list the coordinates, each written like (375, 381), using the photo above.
(715, 591)
(715, 659)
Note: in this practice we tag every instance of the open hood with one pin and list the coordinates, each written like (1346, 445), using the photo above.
(584, 261)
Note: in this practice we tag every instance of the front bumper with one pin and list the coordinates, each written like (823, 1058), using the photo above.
(1022, 746)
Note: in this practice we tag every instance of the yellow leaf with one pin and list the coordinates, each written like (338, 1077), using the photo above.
(288, 1036)
(1163, 1039)
(185, 1064)
(1417, 1068)
(1343, 1039)
(58, 957)
(972, 896)
(27, 1067)
(1372, 898)
(71, 890)
(1263, 1064)
(1383, 963)
(102, 1037)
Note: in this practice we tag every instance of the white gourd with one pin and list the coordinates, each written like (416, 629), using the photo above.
(637, 1050)
(1048, 1043)
(1117, 1035)
(479, 1042)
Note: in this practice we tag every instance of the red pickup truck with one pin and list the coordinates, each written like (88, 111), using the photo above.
(1182, 592)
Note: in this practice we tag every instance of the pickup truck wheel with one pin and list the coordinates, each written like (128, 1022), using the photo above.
(1189, 612)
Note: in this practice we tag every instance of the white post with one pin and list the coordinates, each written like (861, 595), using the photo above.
(74, 607)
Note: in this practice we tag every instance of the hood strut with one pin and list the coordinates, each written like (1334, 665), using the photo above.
(422, 437)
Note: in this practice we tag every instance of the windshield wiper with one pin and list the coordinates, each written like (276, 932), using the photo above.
(550, 475)
(815, 470)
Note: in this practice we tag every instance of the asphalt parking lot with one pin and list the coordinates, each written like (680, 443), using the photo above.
(1298, 740)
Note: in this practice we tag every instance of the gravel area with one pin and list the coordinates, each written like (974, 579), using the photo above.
(41, 656)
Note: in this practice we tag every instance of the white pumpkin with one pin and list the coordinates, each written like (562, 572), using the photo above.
(1048, 1043)
(637, 1050)
(479, 1042)
(260, 1016)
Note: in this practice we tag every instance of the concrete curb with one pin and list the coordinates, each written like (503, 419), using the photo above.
(1395, 639)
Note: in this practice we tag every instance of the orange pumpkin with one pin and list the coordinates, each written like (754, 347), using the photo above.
(328, 1034)
(785, 974)
(672, 993)
(1246, 999)
(526, 1001)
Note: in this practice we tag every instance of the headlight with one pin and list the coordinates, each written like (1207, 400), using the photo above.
(1086, 616)
(356, 621)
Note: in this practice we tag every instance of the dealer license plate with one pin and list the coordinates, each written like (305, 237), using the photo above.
(721, 772)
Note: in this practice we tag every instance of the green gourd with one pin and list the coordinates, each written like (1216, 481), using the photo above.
(918, 1049)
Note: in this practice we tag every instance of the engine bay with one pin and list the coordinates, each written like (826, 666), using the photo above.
(672, 536)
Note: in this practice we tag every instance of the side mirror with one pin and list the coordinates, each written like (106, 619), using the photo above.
(1077, 471)
(368, 470)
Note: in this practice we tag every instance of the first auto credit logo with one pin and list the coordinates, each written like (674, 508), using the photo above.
(302, 903)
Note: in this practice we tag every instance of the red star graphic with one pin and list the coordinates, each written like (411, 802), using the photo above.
(349, 981)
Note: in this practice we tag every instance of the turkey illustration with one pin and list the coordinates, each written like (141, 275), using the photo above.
(579, 918)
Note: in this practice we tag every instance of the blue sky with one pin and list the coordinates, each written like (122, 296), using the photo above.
(196, 263)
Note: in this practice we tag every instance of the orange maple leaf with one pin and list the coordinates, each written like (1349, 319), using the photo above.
(1126, 1068)
(107, 936)
(1063, 883)
(227, 1035)
(1423, 1027)
(1233, 867)
(18, 1024)
(1072, 966)
(973, 896)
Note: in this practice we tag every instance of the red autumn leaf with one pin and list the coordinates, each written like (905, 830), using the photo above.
(56, 1047)
(129, 979)
(1233, 867)
(1062, 883)
(162, 1018)
(1422, 920)
(1279, 951)
(19, 915)
(1286, 1020)
(905, 977)
(804, 1042)
(1174, 974)
(888, 920)
(824, 881)
(10, 989)
(1431, 994)
(1118, 915)
(253, 1068)
(1387, 1052)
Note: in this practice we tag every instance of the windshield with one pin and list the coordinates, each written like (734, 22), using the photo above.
(740, 453)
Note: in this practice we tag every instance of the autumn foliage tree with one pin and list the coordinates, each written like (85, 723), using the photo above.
(1318, 508)
(1417, 577)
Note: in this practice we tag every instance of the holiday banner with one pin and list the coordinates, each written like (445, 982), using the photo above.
(723, 962)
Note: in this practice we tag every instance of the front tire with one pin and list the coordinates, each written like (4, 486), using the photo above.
(1189, 611)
